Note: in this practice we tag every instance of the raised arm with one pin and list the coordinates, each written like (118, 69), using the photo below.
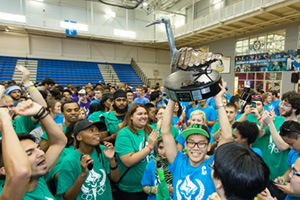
(226, 133)
(56, 136)
(169, 141)
(16, 162)
(279, 142)
(34, 93)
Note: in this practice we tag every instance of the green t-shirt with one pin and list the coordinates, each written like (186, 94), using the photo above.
(174, 130)
(95, 116)
(63, 154)
(216, 127)
(45, 136)
(23, 124)
(41, 192)
(275, 159)
(96, 184)
(111, 122)
(128, 142)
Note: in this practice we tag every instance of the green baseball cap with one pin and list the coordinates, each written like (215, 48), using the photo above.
(196, 129)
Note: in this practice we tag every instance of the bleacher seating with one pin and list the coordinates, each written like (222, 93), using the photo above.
(127, 74)
(7, 67)
(63, 72)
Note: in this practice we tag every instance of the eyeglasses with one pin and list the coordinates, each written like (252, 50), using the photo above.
(293, 172)
(9, 106)
(286, 105)
(200, 145)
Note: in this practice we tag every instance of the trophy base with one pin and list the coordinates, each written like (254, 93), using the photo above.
(192, 86)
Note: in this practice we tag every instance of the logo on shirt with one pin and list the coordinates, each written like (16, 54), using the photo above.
(188, 189)
(272, 146)
(94, 185)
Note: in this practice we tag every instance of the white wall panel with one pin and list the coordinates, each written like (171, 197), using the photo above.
(45, 47)
(77, 49)
(13, 44)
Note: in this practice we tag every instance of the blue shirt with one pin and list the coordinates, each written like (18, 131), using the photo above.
(191, 182)
(257, 151)
(210, 114)
(292, 157)
(95, 101)
(150, 179)
(142, 100)
(275, 106)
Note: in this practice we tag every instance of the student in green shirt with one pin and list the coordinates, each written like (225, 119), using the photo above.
(84, 173)
(134, 148)
(40, 162)
(17, 166)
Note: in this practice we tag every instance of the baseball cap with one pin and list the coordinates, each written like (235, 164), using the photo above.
(82, 91)
(84, 124)
(196, 129)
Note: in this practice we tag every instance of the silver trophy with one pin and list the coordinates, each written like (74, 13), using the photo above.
(192, 78)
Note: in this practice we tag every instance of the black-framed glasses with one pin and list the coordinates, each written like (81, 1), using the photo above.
(9, 106)
(293, 172)
(200, 145)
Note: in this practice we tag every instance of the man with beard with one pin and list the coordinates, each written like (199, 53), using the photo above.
(14, 92)
(275, 150)
(114, 119)
(70, 112)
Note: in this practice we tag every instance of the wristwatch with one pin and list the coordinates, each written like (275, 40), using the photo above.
(28, 84)
(219, 106)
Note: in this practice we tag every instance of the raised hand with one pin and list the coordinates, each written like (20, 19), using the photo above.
(152, 138)
(26, 73)
(222, 91)
(27, 108)
(109, 150)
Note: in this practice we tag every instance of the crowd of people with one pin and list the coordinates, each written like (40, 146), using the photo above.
(101, 141)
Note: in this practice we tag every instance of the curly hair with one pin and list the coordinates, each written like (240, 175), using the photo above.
(293, 98)
(247, 130)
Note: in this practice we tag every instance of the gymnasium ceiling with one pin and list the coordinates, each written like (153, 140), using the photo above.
(267, 17)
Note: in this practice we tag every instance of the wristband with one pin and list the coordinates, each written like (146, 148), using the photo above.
(113, 168)
(183, 121)
(113, 136)
(150, 190)
(40, 113)
(179, 123)
(47, 113)
(283, 180)
(259, 119)
(149, 148)
(31, 89)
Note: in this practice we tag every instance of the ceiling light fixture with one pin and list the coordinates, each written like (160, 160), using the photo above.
(123, 33)
(12, 17)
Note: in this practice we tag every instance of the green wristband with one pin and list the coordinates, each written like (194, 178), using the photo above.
(283, 180)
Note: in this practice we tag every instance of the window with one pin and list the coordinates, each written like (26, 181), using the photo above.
(264, 43)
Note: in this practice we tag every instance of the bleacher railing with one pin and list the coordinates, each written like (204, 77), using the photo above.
(139, 72)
